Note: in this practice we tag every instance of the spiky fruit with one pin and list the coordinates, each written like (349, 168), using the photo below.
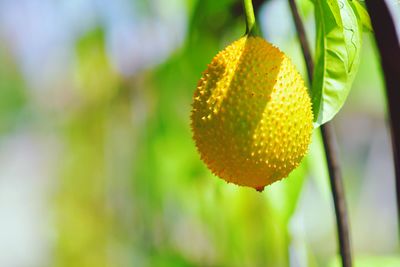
(251, 116)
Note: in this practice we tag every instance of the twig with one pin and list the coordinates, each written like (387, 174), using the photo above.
(330, 152)
(389, 49)
(335, 175)
(301, 33)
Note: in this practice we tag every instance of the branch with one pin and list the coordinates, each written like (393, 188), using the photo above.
(389, 49)
(331, 153)
(335, 175)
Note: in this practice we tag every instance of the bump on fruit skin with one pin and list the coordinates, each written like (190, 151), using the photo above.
(251, 114)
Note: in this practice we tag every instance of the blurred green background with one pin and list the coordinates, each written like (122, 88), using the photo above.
(97, 165)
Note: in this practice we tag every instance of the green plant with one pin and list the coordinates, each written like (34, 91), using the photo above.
(331, 74)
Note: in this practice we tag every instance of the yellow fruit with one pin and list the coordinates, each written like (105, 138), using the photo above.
(251, 116)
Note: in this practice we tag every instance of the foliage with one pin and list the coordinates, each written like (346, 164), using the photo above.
(129, 187)
(337, 57)
(362, 14)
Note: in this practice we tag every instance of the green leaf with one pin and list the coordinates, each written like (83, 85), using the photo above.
(338, 47)
(363, 15)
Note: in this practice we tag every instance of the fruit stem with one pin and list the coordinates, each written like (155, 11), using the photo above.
(331, 153)
(251, 24)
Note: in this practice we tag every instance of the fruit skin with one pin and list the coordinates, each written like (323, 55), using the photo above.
(251, 114)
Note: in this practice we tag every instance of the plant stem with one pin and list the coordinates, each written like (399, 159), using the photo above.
(251, 25)
(331, 153)
(301, 33)
(328, 137)
(389, 49)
